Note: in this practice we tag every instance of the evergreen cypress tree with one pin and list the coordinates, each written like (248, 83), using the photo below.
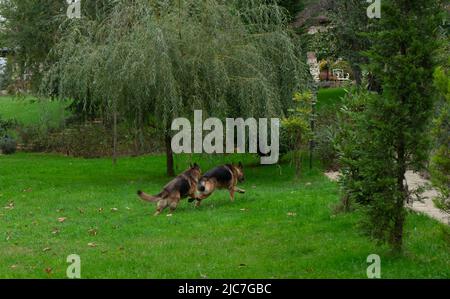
(392, 125)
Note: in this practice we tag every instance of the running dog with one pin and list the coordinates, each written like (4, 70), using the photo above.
(221, 177)
(180, 187)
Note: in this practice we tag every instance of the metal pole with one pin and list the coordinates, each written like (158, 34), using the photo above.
(312, 142)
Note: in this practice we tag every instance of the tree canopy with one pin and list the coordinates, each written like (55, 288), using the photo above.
(158, 60)
(31, 28)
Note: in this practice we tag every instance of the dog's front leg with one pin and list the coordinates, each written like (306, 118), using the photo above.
(232, 194)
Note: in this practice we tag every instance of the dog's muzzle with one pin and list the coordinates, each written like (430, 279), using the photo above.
(201, 187)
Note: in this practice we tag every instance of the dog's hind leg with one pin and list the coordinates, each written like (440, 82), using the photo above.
(173, 207)
(162, 204)
(173, 203)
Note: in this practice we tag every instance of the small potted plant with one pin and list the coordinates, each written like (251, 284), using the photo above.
(324, 70)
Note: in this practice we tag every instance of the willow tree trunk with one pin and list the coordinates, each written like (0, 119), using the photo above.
(399, 215)
(169, 155)
(115, 135)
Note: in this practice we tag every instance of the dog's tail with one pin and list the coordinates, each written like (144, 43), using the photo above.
(147, 197)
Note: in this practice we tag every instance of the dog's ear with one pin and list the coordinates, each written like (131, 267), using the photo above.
(240, 165)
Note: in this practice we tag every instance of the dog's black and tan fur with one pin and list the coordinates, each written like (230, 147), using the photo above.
(184, 185)
(222, 177)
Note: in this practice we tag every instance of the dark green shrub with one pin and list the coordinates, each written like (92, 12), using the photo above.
(6, 125)
(8, 145)
(326, 132)
(350, 143)
(90, 140)
(325, 139)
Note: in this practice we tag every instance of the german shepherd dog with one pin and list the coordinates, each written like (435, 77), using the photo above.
(180, 187)
(222, 177)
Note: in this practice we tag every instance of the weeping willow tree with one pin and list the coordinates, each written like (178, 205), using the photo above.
(153, 61)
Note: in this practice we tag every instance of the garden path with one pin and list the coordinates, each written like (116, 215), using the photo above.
(426, 206)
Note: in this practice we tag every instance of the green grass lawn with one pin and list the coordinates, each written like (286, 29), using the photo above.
(281, 228)
(330, 97)
(31, 111)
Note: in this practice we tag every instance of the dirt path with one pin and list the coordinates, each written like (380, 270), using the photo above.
(426, 206)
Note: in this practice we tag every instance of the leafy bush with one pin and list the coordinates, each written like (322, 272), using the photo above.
(90, 140)
(350, 143)
(297, 127)
(8, 145)
(440, 162)
(324, 65)
(325, 139)
(6, 125)
(293, 6)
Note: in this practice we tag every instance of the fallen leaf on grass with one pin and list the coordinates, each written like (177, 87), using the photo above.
(93, 245)
(100, 210)
(49, 270)
(28, 190)
(55, 231)
(61, 219)
(114, 209)
(13, 267)
(46, 249)
(243, 210)
(292, 214)
(10, 206)
(93, 232)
